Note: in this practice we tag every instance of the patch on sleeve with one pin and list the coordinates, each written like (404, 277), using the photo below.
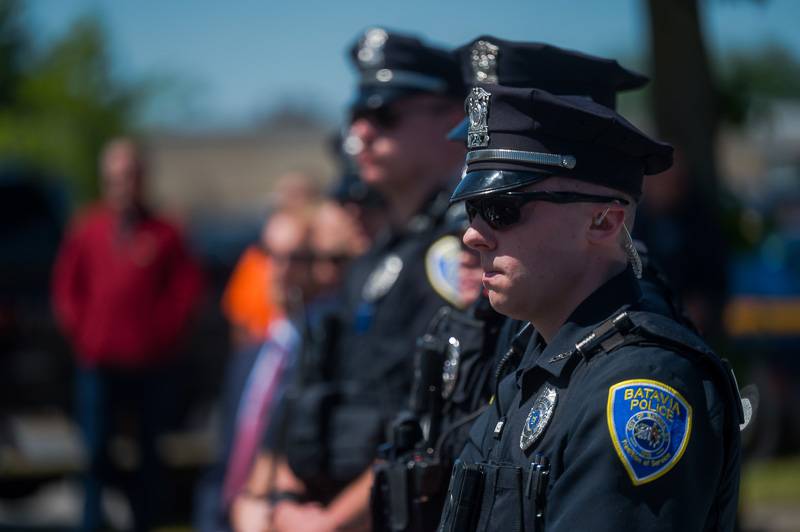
(441, 267)
(650, 424)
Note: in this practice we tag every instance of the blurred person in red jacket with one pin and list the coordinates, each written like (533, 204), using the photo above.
(124, 288)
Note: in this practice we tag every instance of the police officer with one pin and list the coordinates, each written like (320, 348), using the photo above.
(459, 346)
(409, 96)
(618, 416)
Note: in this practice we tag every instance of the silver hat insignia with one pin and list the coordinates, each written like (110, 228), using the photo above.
(538, 417)
(477, 108)
(370, 50)
(484, 62)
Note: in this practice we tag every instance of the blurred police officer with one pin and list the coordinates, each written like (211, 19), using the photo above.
(409, 96)
(457, 356)
(618, 416)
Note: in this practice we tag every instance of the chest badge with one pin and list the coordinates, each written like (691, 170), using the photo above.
(538, 417)
(650, 424)
(381, 280)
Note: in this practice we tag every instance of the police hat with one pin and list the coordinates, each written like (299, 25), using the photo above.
(531, 64)
(518, 136)
(392, 66)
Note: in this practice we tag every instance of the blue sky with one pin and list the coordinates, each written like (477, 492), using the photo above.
(230, 61)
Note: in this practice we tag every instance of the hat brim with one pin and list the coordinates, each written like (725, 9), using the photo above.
(459, 133)
(371, 97)
(486, 182)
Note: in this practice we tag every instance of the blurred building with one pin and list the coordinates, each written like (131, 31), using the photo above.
(231, 174)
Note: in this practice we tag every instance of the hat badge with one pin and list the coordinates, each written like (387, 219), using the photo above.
(484, 62)
(477, 108)
(370, 50)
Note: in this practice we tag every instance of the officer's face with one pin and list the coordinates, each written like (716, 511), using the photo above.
(529, 266)
(286, 241)
(406, 139)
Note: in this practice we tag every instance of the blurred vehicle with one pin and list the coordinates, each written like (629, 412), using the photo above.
(34, 360)
(763, 320)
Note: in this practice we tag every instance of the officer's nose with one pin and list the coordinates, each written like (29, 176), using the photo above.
(362, 133)
(479, 236)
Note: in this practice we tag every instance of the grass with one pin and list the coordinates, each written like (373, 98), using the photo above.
(774, 481)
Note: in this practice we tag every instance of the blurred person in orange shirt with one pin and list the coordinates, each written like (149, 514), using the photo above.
(124, 288)
(248, 302)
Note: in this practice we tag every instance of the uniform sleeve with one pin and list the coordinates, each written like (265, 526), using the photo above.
(645, 450)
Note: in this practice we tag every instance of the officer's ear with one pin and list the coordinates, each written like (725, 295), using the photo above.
(606, 224)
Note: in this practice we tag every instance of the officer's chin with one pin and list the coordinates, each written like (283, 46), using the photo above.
(374, 175)
(504, 305)
(498, 300)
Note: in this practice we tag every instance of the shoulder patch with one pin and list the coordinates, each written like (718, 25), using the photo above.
(441, 268)
(650, 424)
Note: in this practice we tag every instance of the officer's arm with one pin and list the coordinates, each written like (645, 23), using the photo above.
(251, 509)
(350, 510)
(629, 465)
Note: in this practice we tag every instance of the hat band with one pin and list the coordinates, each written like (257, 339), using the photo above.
(404, 78)
(519, 156)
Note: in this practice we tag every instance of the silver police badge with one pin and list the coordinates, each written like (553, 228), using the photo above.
(381, 280)
(370, 50)
(539, 417)
(484, 62)
(477, 108)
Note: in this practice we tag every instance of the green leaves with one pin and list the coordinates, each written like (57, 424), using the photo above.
(61, 104)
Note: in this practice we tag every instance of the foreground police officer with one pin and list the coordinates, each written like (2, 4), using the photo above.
(409, 96)
(456, 359)
(618, 417)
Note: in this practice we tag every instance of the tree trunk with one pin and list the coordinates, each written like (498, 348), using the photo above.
(684, 96)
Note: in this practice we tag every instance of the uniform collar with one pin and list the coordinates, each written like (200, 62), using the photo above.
(617, 293)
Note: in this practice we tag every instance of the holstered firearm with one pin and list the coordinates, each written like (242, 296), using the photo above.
(407, 492)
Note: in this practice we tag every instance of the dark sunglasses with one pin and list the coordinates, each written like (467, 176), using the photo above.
(501, 211)
(383, 117)
(390, 116)
(333, 258)
(294, 257)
